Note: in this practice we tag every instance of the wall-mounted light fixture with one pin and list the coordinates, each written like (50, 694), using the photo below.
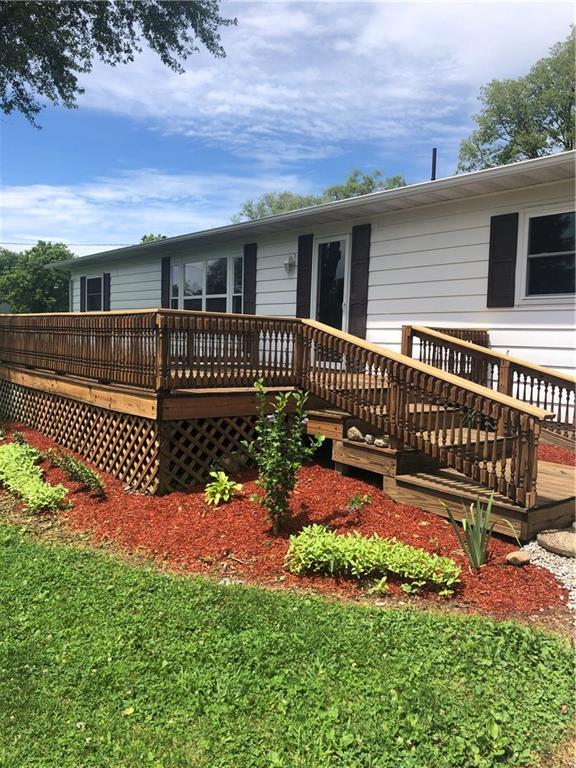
(290, 264)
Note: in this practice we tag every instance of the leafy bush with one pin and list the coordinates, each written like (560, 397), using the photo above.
(18, 438)
(279, 450)
(78, 472)
(21, 475)
(318, 550)
(357, 502)
(222, 488)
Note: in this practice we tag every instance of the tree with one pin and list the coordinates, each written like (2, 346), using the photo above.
(360, 183)
(27, 286)
(528, 117)
(357, 183)
(151, 238)
(44, 46)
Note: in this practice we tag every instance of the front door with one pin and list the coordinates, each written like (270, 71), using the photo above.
(331, 283)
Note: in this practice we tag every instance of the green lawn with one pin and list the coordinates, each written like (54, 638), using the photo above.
(108, 664)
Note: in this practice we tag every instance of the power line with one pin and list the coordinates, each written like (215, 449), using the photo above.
(35, 242)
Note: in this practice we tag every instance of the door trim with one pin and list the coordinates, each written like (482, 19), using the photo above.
(314, 287)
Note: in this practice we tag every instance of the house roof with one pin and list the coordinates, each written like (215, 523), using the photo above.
(527, 173)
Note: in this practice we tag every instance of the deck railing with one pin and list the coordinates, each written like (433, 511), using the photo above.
(483, 433)
(551, 390)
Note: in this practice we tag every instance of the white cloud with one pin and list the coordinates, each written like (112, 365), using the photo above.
(303, 78)
(119, 210)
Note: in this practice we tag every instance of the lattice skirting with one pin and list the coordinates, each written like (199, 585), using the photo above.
(125, 446)
(145, 455)
(190, 449)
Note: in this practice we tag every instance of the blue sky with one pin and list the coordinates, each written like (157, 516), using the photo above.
(307, 91)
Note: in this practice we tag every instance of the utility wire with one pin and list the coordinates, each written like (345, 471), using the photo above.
(35, 242)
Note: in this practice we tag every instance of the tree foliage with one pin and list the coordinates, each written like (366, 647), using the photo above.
(25, 284)
(357, 183)
(528, 117)
(45, 46)
(151, 238)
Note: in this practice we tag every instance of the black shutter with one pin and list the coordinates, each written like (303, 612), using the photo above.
(82, 294)
(106, 292)
(250, 250)
(304, 275)
(502, 260)
(165, 293)
(359, 270)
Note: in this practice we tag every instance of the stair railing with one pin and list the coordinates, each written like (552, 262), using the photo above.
(484, 434)
(534, 384)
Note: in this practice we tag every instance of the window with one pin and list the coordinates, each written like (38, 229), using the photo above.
(212, 285)
(93, 294)
(550, 268)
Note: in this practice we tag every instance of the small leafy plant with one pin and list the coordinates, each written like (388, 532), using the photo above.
(476, 531)
(222, 488)
(279, 450)
(318, 550)
(18, 438)
(357, 502)
(21, 476)
(78, 472)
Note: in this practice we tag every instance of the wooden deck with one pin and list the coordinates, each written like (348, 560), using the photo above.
(158, 397)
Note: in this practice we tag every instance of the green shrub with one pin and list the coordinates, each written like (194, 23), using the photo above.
(78, 472)
(220, 489)
(18, 438)
(319, 550)
(357, 502)
(21, 475)
(279, 450)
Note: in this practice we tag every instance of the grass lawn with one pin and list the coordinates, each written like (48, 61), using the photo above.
(108, 664)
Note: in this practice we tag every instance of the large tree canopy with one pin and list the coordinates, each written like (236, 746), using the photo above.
(26, 286)
(528, 117)
(357, 183)
(44, 46)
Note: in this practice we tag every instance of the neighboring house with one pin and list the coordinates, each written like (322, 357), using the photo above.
(492, 249)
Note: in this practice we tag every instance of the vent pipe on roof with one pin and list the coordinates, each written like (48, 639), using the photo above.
(434, 153)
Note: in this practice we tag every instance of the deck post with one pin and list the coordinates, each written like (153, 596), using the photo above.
(161, 354)
(505, 378)
(407, 341)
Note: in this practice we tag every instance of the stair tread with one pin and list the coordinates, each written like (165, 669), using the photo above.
(477, 436)
(450, 481)
(555, 483)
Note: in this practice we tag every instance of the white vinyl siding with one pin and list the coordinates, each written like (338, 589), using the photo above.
(134, 283)
(429, 266)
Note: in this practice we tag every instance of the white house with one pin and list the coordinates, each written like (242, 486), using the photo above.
(492, 249)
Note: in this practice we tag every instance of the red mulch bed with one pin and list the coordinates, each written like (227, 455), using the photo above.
(234, 540)
(556, 455)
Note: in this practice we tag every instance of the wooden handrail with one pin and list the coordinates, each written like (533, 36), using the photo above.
(442, 375)
(494, 354)
(528, 382)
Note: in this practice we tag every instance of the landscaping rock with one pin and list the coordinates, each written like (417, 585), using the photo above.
(564, 568)
(380, 443)
(369, 439)
(518, 557)
(354, 434)
(559, 542)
